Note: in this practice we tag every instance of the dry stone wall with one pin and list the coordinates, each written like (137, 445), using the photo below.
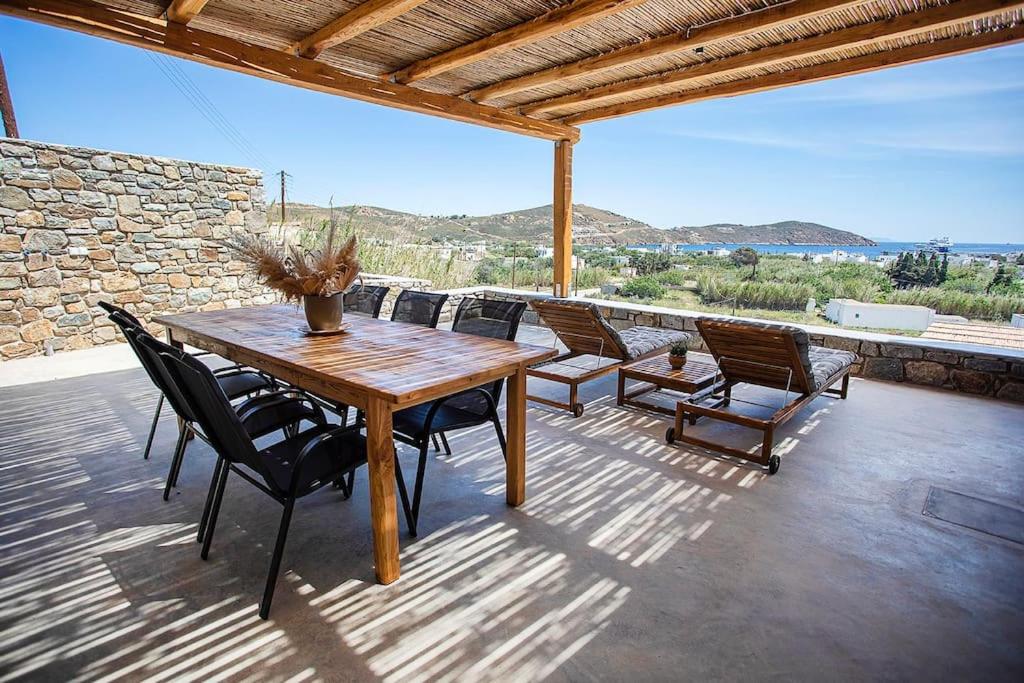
(83, 225)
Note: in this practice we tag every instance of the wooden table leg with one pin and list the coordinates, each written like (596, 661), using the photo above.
(380, 447)
(515, 461)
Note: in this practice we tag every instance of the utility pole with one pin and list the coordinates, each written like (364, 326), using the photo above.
(283, 174)
(514, 254)
(6, 105)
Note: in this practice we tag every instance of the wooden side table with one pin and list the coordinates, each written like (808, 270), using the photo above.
(696, 381)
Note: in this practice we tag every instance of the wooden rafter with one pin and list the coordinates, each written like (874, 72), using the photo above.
(928, 19)
(809, 74)
(215, 50)
(184, 11)
(691, 38)
(565, 18)
(365, 17)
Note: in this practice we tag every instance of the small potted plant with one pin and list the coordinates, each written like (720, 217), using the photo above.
(318, 277)
(677, 355)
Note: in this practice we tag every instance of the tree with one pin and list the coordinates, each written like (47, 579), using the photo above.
(931, 272)
(944, 269)
(745, 256)
(648, 263)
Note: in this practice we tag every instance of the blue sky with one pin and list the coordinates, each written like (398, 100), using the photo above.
(907, 153)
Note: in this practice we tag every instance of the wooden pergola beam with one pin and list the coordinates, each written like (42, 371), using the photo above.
(361, 19)
(185, 42)
(184, 11)
(691, 38)
(929, 19)
(565, 18)
(819, 72)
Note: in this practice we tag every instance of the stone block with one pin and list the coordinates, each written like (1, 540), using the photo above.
(129, 205)
(10, 243)
(93, 199)
(30, 218)
(125, 224)
(890, 369)
(144, 268)
(8, 334)
(119, 282)
(985, 364)
(947, 357)
(18, 349)
(39, 261)
(926, 372)
(103, 162)
(971, 382)
(48, 277)
(868, 348)
(37, 331)
(41, 296)
(900, 351)
(843, 343)
(1012, 391)
(64, 179)
(74, 285)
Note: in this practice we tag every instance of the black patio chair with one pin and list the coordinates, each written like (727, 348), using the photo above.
(366, 300)
(286, 471)
(415, 308)
(418, 308)
(417, 425)
(236, 380)
(289, 405)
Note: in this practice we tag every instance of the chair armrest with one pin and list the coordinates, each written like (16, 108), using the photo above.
(436, 405)
(313, 444)
(253, 406)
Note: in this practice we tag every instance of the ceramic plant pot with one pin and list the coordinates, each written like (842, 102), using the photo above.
(677, 362)
(323, 313)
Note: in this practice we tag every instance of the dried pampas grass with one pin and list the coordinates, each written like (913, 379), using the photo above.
(297, 272)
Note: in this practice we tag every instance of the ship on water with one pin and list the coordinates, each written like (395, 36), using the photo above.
(940, 245)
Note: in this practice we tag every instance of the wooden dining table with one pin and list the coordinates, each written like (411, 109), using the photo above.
(379, 367)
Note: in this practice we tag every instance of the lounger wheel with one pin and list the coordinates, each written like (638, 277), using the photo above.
(577, 409)
(774, 463)
(670, 435)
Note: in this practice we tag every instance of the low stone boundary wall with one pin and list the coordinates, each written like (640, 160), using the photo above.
(967, 368)
(84, 225)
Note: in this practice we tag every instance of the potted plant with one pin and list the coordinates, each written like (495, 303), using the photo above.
(677, 355)
(318, 276)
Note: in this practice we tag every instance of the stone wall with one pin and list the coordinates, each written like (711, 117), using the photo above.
(84, 225)
(967, 368)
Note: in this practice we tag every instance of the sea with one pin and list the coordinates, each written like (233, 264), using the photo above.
(872, 252)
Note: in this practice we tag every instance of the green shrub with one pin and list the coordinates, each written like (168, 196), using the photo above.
(672, 278)
(645, 287)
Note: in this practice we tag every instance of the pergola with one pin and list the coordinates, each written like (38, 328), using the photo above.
(542, 67)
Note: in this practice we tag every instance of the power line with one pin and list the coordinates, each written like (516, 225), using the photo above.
(180, 80)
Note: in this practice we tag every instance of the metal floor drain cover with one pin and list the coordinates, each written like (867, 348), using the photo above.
(974, 513)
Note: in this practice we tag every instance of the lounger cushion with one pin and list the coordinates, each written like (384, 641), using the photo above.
(642, 340)
(827, 362)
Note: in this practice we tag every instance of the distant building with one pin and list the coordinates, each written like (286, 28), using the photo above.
(852, 313)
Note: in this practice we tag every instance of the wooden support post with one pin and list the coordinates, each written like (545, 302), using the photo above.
(6, 105)
(563, 217)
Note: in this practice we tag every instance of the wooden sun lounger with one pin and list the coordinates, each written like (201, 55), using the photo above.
(595, 348)
(774, 356)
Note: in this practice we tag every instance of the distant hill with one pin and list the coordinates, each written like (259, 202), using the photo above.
(590, 226)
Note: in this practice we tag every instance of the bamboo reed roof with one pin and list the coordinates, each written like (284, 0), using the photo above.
(542, 66)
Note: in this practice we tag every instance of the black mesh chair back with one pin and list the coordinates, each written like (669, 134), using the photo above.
(486, 318)
(418, 308)
(210, 407)
(147, 348)
(366, 300)
(113, 310)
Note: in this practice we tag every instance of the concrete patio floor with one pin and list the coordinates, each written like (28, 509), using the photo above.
(631, 559)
